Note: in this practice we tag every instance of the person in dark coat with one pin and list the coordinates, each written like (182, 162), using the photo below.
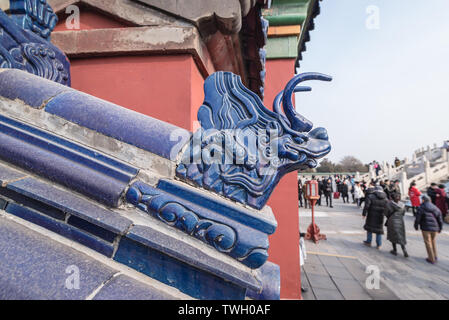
(304, 194)
(430, 220)
(345, 191)
(374, 211)
(300, 197)
(396, 226)
(395, 189)
(440, 200)
(431, 192)
(328, 190)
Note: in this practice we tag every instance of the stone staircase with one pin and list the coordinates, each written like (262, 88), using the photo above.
(427, 165)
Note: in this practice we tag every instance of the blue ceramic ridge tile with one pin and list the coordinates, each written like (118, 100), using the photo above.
(35, 267)
(120, 123)
(161, 242)
(61, 228)
(7, 175)
(245, 244)
(124, 171)
(71, 204)
(123, 287)
(66, 172)
(186, 278)
(225, 207)
(84, 170)
(17, 84)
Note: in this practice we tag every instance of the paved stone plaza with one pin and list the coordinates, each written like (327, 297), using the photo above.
(406, 278)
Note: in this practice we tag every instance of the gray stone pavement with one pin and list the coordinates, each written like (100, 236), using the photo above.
(336, 277)
(407, 278)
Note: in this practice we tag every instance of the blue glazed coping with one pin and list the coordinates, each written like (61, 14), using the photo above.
(67, 163)
(34, 91)
(125, 288)
(72, 204)
(61, 228)
(183, 266)
(7, 175)
(34, 267)
(89, 157)
(144, 132)
(247, 245)
(225, 208)
(270, 274)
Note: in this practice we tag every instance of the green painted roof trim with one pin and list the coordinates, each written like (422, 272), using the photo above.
(286, 20)
(287, 12)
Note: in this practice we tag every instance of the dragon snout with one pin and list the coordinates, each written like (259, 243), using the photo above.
(319, 133)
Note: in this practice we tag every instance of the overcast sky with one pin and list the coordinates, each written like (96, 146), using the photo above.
(390, 93)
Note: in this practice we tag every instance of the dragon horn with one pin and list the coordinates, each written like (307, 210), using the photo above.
(277, 100)
(298, 122)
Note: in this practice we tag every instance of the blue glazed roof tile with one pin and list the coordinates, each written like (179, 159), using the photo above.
(8, 174)
(159, 241)
(120, 123)
(125, 288)
(33, 267)
(16, 84)
(70, 203)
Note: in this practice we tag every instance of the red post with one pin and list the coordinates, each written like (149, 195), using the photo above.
(312, 194)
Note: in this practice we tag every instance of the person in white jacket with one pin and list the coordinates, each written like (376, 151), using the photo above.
(358, 194)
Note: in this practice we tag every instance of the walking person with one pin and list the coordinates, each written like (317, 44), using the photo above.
(364, 189)
(304, 195)
(440, 200)
(376, 207)
(327, 188)
(395, 189)
(396, 226)
(430, 220)
(431, 192)
(352, 181)
(414, 195)
(358, 194)
(345, 191)
(300, 197)
(377, 168)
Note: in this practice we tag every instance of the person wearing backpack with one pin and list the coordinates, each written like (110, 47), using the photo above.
(430, 220)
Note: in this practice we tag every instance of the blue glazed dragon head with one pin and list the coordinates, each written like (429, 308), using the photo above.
(25, 41)
(243, 149)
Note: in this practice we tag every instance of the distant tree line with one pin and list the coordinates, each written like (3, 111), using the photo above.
(347, 164)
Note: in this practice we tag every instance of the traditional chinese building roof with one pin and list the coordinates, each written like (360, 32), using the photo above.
(290, 24)
(221, 37)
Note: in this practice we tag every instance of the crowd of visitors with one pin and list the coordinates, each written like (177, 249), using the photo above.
(382, 207)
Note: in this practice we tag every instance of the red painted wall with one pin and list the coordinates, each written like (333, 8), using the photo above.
(89, 20)
(284, 243)
(169, 87)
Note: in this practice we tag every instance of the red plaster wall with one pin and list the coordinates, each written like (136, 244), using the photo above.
(284, 243)
(89, 20)
(169, 87)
